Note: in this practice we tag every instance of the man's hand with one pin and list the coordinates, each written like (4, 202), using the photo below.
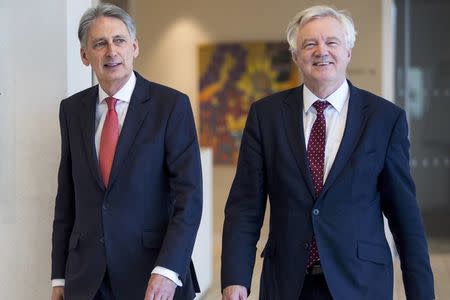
(159, 288)
(57, 293)
(234, 292)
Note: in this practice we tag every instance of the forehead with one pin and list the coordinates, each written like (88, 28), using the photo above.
(324, 27)
(104, 27)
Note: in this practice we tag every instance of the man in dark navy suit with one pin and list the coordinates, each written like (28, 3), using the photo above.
(332, 159)
(129, 197)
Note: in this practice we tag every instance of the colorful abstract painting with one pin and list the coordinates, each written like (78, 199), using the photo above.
(232, 77)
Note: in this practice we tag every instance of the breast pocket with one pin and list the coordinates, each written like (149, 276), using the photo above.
(365, 162)
(144, 159)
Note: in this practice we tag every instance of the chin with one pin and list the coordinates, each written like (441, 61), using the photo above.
(323, 79)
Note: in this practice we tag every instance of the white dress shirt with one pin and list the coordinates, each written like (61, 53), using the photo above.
(123, 97)
(335, 118)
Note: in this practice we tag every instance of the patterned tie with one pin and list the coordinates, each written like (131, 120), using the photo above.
(316, 157)
(108, 140)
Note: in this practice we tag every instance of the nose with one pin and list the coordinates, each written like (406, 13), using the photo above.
(111, 50)
(321, 50)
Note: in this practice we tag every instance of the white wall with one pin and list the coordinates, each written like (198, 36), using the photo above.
(33, 79)
(7, 204)
(202, 255)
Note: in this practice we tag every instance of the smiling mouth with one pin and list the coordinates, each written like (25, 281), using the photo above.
(322, 64)
(111, 65)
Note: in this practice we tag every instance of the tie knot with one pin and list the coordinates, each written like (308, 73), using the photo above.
(111, 102)
(320, 106)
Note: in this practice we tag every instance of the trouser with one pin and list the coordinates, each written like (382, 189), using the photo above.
(105, 290)
(315, 287)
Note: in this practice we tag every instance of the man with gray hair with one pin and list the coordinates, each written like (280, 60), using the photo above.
(332, 159)
(129, 196)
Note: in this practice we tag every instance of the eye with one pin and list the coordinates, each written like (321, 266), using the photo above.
(99, 44)
(332, 43)
(308, 45)
(119, 40)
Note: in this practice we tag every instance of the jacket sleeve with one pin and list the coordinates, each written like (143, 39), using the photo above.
(185, 183)
(244, 211)
(64, 204)
(398, 198)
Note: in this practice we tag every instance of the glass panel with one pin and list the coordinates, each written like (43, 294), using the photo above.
(423, 89)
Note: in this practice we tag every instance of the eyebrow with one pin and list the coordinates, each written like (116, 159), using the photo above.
(331, 38)
(120, 36)
(305, 41)
(98, 40)
(114, 37)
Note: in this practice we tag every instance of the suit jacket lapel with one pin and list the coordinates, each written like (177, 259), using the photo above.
(293, 121)
(87, 120)
(137, 110)
(355, 124)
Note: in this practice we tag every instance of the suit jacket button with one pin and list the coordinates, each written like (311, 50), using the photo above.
(102, 240)
(105, 207)
(316, 212)
(306, 246)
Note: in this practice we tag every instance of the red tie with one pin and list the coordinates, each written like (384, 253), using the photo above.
(108, 140)
(316, 157)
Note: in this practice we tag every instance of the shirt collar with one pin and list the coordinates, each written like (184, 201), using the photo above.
(124, 94)
(337, 99)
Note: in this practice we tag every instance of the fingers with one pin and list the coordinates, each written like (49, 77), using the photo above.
(57, 293)
(160, 288)
(235, 292)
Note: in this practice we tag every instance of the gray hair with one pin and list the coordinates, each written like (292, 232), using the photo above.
(316, 12)
(104, 10)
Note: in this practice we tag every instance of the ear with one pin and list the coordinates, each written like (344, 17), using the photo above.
(349, 53)
(294, 56)
(136, 48)
(84, 57)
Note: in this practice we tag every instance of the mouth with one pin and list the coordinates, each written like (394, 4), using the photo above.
(112, 64)
(322, 63)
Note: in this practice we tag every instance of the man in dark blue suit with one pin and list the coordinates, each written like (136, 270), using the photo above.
(332, 159)
(129, 197)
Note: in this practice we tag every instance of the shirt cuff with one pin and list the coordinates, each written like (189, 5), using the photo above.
(168, 274)
(157, 270)
(58, 282)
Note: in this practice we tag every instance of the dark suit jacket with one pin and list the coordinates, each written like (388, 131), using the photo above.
(149, 214)
(370, 176)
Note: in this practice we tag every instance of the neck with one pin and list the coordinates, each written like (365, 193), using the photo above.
(323, 91)
(112, 87)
